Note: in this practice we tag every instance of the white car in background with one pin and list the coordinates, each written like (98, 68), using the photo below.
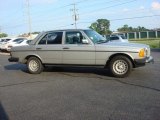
(117, 38)
(22, 42)
(3, 41)
(4, 45)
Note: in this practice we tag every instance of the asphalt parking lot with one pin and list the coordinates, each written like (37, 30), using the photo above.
(78, 93)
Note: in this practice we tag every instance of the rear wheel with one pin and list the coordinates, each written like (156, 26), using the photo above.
(120, 66)
(34, 65)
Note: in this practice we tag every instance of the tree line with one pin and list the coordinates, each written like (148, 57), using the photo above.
(102, 26)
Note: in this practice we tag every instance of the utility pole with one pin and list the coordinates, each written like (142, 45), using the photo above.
(75, 15)
(0, 29)
(29, 19)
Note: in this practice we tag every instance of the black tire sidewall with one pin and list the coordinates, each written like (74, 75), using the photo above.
(120, 57)
(39, 63)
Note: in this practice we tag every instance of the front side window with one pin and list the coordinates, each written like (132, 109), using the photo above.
(52, 38)
(75, 37)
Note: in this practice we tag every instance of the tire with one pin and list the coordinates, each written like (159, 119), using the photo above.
(34, 65)
(120, 66)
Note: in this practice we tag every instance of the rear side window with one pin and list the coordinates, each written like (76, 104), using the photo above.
(51, 38)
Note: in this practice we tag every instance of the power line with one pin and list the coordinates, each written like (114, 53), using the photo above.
(67, 5)
(111, 6)
(129, 18)
(95, 4)
(135, 17)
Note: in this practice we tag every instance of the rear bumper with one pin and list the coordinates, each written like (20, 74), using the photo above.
(142, 62)
(13, 59)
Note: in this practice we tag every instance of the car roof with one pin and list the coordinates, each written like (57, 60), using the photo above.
(60, 30)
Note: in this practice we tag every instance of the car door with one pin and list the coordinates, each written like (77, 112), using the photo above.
(77, 49)
(49, 48)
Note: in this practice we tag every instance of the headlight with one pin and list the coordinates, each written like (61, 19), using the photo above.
(142, 53)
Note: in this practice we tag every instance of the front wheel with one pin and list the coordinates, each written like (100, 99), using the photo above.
(120, 66)
(34, 65)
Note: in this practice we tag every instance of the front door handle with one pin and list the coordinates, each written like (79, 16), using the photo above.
(65, 48)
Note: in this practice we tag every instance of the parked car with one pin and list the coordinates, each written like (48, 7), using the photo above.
(117, 38)
(21, 42)
(3, 41)
(81, 47)
(4, 45)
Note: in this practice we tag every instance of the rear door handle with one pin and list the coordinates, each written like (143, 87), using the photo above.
(65, 48)
(38, 48)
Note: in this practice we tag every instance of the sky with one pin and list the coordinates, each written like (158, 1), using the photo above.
(57, 14)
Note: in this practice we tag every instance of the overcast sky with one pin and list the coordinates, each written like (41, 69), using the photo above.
(57, 14)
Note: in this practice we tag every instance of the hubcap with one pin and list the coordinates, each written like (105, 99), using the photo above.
(33, 65)
(120, 67)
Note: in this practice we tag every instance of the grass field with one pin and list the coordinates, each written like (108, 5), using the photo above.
(153, 43)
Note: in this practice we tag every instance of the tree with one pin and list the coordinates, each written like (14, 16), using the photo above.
(35, 32)
(139, 28)
(3, 35)
(101, 26)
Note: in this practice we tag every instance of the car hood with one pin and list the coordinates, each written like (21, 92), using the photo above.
(126, 44)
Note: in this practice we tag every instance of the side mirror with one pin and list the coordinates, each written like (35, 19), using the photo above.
(85, 41)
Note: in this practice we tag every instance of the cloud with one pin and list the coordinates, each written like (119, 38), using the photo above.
(141, 7)
(125, 10)
(156, 5)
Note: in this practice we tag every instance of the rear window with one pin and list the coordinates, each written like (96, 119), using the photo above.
(114, 38)
(7, 40)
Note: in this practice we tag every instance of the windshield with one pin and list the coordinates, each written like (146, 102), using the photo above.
(6, 40)
(36, 38)
(123, 37)
(95, 37)
(20, 41)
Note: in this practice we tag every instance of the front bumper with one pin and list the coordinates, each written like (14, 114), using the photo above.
(142, 62)
(13, 59)
(150, 60)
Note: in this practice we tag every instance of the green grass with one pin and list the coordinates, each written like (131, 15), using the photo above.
(153, 43)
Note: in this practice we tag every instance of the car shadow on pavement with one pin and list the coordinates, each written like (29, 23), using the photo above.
(3, 114)
(16, 66)
(97, 71)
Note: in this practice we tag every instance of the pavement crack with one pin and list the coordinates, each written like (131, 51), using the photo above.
(136, 85)
(119, 81)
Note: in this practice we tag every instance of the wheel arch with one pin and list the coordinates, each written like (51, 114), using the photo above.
(26, 58)
(118, 54)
